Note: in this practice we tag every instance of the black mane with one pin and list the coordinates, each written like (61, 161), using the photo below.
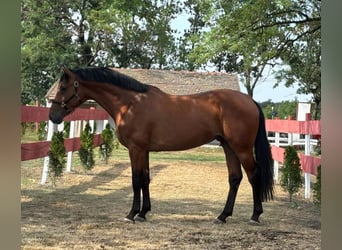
(107, 75)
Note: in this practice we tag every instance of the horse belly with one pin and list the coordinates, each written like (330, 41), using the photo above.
(182, 135)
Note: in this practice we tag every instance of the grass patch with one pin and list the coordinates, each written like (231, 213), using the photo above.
(29, 134)
(200, 154)
(192, 156)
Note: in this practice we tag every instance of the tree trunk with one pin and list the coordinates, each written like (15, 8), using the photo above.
(317, 109)
(248, 82)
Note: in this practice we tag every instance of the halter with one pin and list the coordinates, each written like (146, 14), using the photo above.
(65, 103)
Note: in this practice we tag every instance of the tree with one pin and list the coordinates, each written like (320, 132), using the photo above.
(282, 109)
(233, 45)
(53, 33)
(241, 36)
(198, 11)
(250, 35)
(305, 69)
(43, 46)
(291, 179)
(299, 46)
(164, 43)
(92, 32)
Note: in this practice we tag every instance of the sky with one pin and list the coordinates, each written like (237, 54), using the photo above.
(264, 91)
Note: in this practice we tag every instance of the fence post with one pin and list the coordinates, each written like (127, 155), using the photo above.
(276, 163)
(92, 122)
(289, 135)
(307, 151)
(37, 123)
(276, 169)
(51, 129)
(71, 135)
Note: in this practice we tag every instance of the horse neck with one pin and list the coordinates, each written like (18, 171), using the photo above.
(110, 97)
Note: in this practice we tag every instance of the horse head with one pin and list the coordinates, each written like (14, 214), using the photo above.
(68, 96)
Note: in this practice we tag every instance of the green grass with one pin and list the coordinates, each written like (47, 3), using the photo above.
(200, 154)
(195, 155)
(29, 134)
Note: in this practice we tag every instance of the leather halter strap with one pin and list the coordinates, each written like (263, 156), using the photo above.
(64, 104)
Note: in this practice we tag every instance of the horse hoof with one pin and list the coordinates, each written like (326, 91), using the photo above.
(139, 218)
(219, 221)
(129, 220)
(254, 222)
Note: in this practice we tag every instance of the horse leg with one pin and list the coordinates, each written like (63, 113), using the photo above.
(139, 158)
(136, 181)
(234, 179)
(146, 205)
(249, 165)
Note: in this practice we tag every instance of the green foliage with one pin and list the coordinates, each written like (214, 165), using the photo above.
(318, 149)
(86, 153)
(235, 43)
(107, 146)
(28, 132)
(236, 36)
(45, 44)
(305, 69)
(42, 131)
(291, 179)
(66, 129)
(120, 33)
(317, 187)
(282, 110)
(247, 36)
(23, 128)
(199, 11)
(57, 156)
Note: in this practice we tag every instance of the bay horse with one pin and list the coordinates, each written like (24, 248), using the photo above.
(150, 120)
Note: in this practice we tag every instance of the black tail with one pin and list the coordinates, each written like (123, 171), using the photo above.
(264, 160)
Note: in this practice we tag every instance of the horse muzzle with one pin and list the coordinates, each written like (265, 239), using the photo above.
(56, 117)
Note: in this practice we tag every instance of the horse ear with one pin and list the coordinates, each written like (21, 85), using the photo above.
(67, 71)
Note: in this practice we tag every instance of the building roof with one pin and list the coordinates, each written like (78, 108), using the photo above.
(176, 82)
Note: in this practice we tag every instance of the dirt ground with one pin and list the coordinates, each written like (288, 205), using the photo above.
(86, 211)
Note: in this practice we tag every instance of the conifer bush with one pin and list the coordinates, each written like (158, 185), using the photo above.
(107, 146)
(42, 131)
(57, 156)
(291, 179)
(66, 129)
(86, 153)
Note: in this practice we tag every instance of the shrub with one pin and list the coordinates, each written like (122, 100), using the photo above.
(42, 131)
(86, 151)
(317, 187)
(291, 179)
(107, 146)
(66, 129)
(318, 150)
(57, 156)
